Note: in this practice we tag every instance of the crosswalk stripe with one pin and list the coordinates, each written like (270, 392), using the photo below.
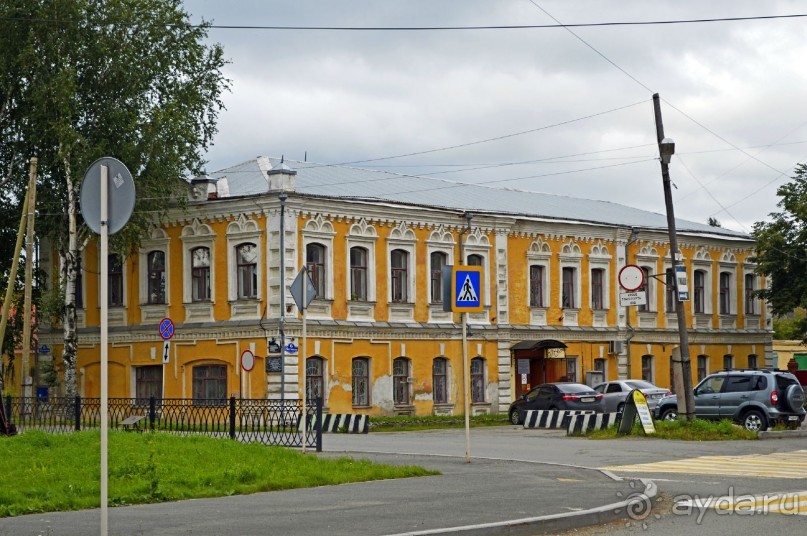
(777, 465)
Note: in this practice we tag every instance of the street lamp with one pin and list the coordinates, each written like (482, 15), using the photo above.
(666, 148)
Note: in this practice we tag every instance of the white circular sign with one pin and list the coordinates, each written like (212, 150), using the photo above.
(120, 195)
(247, 360)
(631, 277)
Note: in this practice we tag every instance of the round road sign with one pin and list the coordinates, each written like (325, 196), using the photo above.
(631, 277)
(166, 328)
(120, 195)
(247, 360)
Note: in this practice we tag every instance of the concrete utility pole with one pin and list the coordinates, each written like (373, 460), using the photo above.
(27, 379)
(682, 369)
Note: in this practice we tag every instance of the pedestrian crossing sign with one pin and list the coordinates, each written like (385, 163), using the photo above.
(466, 289)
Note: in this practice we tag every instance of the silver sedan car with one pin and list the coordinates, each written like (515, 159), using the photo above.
(615, 393)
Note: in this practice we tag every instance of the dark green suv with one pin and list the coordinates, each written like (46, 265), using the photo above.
(756, 399)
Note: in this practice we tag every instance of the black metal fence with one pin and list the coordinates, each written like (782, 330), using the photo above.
(270, 422)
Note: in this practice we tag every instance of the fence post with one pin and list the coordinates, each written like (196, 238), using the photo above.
(152, 412)
(77, 412)
(232, 417)
(318, 424)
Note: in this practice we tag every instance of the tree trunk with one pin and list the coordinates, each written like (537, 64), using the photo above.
(70, 266)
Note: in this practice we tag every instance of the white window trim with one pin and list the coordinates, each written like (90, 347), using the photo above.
(364, 236)
(440, 241)
(158, 241)
(193, 236)
(600, 258)
(403, 238)
(703, 261)
(320, 231)
(539, 254)
(477, 243)
(571, 257)
(242, 231)
(750, 269)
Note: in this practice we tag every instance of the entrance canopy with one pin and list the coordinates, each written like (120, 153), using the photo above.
(538, 345)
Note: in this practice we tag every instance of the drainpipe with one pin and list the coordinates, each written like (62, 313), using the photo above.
(634, 236)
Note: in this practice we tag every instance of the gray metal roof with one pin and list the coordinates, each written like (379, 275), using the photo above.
(337, 181)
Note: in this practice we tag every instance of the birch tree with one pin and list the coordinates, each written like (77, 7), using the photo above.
(82, 79)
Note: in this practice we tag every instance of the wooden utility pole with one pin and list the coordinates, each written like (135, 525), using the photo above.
(682, 368)
(27, 378)
(12, 277)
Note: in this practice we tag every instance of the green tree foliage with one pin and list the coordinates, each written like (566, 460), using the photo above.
(781, 245)
(82, 79)
(790, 327)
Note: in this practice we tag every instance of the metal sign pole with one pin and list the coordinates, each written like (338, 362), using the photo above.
(301, 358)
(104, 351)
(467, 387)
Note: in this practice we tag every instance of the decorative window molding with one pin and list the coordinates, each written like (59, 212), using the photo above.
(477, 243)
(539, 254)
(599, 258)
(243, 231)
(362, 235)
(152, 311)
(441, 242)
(403, 238)
(571, 258)
(320, 231)
(727, 267)
(193, 236)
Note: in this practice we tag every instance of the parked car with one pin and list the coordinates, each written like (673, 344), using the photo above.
(754, 398)
(616, 393)
(558, 396)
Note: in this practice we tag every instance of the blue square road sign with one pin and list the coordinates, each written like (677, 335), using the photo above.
(466, 289)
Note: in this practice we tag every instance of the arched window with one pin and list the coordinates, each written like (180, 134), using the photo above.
(361, 381)
(669, 291)
(200, 274)
(750, 300)
(477, 380)
(536, 285)
(703, 367)
(568, 290)
(475, 260)
(647, 368)
(315, 378)
(399, 261)
(646, 289)
(315, 261)
(156, 277)
(597, 288)
(725, 293)
(115, 279)
(699, 291)
(440, 380)
(438, 260)
(210, 384)
(246, 258)
(728, 362)
(358, 273)
(400, 382)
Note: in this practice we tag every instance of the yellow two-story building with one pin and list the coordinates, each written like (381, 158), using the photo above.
(378, 338)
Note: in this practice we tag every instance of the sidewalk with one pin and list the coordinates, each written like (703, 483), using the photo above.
(485, 492)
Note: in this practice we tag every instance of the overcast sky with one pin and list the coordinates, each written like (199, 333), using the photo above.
(733, 95)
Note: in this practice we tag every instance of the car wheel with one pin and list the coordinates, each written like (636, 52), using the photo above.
(620, 408)
(669, 414)
(515, 416)
(755, 421)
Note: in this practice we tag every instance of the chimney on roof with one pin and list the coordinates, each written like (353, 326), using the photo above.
(282, 177)
(206, 187)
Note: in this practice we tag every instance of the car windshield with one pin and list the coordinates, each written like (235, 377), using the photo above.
(574, 388)
(641, 385)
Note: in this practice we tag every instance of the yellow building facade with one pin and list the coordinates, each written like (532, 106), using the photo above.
(377, 337)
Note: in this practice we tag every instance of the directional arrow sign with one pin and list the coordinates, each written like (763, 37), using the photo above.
(166, 351)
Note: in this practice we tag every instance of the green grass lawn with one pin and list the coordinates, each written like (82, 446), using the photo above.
(57, 472)
(429, 422)
(695, 430)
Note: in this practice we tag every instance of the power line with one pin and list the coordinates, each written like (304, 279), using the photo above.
(437, 28)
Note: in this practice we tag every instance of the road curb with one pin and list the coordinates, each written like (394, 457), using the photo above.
(635, 507)
(781, 434)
